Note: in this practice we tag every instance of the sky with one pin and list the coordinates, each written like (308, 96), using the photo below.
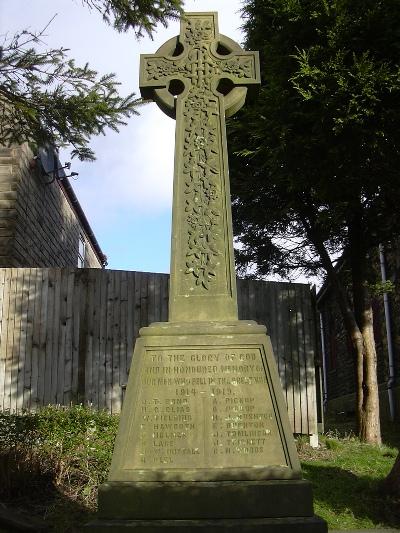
(126, 193)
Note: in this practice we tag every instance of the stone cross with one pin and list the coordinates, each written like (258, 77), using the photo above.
(204, 441)
(199, 78)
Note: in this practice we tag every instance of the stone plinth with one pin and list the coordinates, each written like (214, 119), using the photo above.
(204, 441)
(255, 525)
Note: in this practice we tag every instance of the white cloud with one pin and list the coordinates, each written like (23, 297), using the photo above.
(134, 169)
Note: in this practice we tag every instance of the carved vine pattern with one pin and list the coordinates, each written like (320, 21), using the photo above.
(201, 150)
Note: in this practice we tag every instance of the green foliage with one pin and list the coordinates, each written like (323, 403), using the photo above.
(140, 15)
(69, 449)
(52, 461)
(342, 470)
(332, 444)
(46, 99)
(321, 141)
(381, 287)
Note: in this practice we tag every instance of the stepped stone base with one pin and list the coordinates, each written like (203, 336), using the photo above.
(233, 467)
(205, 500)
(265, 506)
(253, 525)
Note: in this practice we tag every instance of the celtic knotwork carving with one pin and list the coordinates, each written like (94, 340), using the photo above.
(199, 30)
(188, 87)
(240, 67)
(159, 68)
(202, 184)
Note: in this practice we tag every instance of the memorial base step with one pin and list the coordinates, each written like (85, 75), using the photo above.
(205, 500)
(255, 525)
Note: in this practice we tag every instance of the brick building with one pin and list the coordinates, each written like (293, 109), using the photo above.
(338, 356)
(41, 221)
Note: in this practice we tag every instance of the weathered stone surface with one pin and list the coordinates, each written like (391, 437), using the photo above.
(205, 500)
(205, 403)
(200, 66)
(204, 437)
(254, 525)
(204, 441)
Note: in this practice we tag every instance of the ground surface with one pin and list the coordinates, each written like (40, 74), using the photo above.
(52, 462)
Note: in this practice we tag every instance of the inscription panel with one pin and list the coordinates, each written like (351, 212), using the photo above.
(204, 408)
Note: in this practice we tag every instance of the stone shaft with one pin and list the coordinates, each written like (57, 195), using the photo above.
(198, 78)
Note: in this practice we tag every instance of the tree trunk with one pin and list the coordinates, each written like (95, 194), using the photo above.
(367, 381)
(358, 322)
(369, 429)
(391, 485)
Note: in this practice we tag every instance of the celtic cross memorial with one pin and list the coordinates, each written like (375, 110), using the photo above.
(207, 80)
(204, 441)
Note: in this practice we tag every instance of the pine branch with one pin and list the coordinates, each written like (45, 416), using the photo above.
(140, 15)
(46, 98)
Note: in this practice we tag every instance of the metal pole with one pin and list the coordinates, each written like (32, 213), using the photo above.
(391, 377)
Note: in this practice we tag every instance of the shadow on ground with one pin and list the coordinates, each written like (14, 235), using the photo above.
(30, 499)
(343, 491)
(342, 425)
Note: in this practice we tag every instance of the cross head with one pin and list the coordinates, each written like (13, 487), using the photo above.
(198, 78)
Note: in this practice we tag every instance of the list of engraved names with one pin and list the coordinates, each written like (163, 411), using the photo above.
(205, 408)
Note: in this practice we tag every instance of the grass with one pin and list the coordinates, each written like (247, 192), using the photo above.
(346, 476)
(52, 461)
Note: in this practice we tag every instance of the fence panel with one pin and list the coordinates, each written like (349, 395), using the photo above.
(67, 335)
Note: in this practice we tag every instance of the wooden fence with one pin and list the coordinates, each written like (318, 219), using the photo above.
(67, 335)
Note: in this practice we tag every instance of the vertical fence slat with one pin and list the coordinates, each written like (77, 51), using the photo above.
(11, 326)
(116, 344)
(79, 347)
(96, 323)
(69, 331)
(109, 345)
(130, 325)
(310, 351)
(15, 340)
(55, 352)
(144, 299)
(24, 280)
(5, 300)
(48, 290)
(35, 400)
(302, 328)
(137, 305)
(62, 337)
(31, 297)
(295, 321)
(150, 298)
(85, 303)
(124, 339)
(287, 340)
(103, 340)
(272, 325)
(164, 297)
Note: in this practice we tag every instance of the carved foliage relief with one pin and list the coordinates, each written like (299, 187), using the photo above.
(202, 157)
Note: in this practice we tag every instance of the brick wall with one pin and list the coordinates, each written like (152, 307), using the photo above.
(38, 226)
(339, 359)
(8, 194)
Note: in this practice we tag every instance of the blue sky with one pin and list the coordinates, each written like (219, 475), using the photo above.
(127, 192)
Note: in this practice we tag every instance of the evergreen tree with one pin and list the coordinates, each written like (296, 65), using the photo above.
(45, 98)
(314, 160)
(140, 15)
